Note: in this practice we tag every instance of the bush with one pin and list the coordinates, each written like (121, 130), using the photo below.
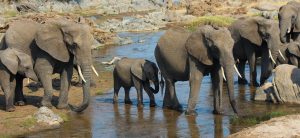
(221, 21)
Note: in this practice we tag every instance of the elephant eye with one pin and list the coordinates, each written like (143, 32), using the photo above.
(74, 46)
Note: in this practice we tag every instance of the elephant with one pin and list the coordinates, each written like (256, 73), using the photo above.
(290, 54)
(53, 46)
(135, 72)
(255, 37)
(13, 62)
(183, 56)
(79, 83)
(289, 22)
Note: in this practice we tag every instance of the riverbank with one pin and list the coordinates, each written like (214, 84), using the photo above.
(22, 122)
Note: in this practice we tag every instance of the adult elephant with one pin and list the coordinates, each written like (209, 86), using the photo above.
(182, 56)
(289, 21)
(255, 37)
(53, 47)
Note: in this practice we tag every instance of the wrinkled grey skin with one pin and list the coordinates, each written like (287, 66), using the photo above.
(182, 56)
(291, 54)
(79, 83)
(11, 63)
(53, 47)
(289, 17)
(254, 37)
(135, 72)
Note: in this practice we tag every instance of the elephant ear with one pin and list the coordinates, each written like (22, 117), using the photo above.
(196, 46)
(137, 70)
(249, 30)
(294, 49)
(50, 39)
(9, 60)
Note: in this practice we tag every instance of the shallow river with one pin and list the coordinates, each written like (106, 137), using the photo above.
(104, 119)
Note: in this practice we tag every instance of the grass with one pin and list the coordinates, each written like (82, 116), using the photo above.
(221, 21)
(64, 116)
(29, 122)
(10, 13)
(253, 120)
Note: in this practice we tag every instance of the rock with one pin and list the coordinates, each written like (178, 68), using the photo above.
(26, 7)
(45, 115)
(266, 6)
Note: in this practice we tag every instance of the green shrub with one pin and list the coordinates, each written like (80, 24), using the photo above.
(221, 21)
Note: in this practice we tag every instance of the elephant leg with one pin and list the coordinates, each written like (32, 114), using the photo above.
(294, 60)
(241, 68)
(252, 64)
(44, 70)
(170, 98)
(8, 89)
(217, 84)
(117, 87)
(65, 80)
(19, 96)
(139, 89)
(151, 97)
(127, 98)
(195, 80)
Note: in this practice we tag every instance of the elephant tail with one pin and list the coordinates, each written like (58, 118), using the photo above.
(162, 84)
(112, 61)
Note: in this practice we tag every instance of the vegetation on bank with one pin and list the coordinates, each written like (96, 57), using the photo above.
(221, 21)
(253, 120)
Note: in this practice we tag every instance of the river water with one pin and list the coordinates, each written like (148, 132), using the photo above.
(105, 119)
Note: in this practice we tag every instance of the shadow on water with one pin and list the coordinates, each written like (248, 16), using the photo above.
(104, 119)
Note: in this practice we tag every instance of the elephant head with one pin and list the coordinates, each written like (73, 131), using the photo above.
(146, 71)
(259, 30)
(18, 62)
(213, 46)
(289, 20)
(293, 48)
(64, 41)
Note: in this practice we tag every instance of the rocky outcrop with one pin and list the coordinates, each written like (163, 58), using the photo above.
(285, 87)
(45, 115)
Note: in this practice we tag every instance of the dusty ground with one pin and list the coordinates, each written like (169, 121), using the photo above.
(21, 121)
(281, 127)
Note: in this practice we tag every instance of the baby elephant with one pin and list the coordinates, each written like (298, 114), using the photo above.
(13, 62)
(130, 72)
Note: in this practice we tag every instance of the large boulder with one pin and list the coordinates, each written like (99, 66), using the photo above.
(284, 88)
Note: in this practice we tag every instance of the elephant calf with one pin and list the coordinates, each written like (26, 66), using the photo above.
(136, 72)
(13, 62)
(290, 54)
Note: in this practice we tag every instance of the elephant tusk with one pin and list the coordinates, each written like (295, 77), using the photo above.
(94, 70)
(270, 55)
(223, 74)
(80, 74)
(281, 54)
(28, 80)
(288, 30)
(112, 61)
(237, 71)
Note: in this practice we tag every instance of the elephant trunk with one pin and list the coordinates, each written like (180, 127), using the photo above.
(285, 28)
(86, 73)
(229, 72)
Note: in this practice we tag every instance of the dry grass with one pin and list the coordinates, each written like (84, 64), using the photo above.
(221, 21)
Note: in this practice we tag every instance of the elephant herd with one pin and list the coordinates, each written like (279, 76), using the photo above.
(36, 51)
(188, 56)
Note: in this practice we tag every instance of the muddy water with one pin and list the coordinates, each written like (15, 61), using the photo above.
(104, 119)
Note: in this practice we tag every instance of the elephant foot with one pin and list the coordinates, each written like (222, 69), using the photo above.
(46, 103)
(218, 112)
(20, 103)
(243, 81)
(128, 102)
(191, 113)
(176, 107)
(10, 109)
(140, 105)
(254, 84)
(62, 106)
(152, 104)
